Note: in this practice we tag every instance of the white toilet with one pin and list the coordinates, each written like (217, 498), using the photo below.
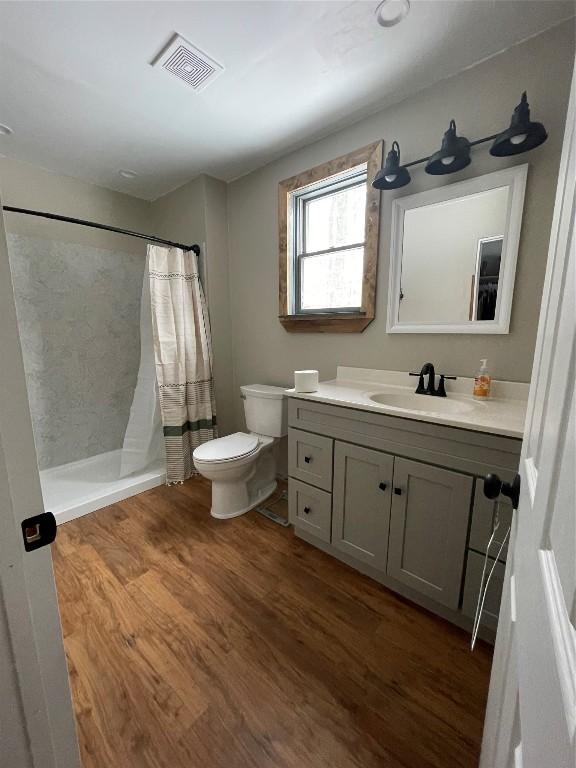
(242, 466)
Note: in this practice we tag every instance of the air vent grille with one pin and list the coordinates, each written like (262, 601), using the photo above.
(189, 63)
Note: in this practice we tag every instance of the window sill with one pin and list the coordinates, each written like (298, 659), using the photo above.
(326, 323)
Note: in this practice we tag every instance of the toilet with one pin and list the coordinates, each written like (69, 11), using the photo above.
(242, 466)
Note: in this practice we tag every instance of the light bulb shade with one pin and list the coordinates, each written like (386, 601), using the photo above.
(454, 146)
(520, 125)
(393, 175)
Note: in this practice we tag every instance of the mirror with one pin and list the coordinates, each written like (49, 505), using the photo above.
(453, 257)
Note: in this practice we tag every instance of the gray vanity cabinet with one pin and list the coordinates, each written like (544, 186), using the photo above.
(361, 503)
(400, 500)
(428, 529)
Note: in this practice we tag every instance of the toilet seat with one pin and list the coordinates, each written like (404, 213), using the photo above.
(240, 445)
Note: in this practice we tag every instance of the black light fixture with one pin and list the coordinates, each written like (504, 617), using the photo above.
(452, 156)
(522, 135)
(393, 175)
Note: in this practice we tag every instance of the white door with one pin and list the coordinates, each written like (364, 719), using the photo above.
(36, 719)
(531, 715)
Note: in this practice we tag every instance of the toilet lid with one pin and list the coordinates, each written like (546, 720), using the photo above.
(227, 448)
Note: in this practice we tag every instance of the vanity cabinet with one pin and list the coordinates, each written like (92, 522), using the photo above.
(401, 501)
(428, 529)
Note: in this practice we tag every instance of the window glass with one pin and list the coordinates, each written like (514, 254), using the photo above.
(332, 280)
(336, 219)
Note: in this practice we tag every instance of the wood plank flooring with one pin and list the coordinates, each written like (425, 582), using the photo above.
(193, 642)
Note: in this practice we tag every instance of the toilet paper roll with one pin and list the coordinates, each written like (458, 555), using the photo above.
(305, 381)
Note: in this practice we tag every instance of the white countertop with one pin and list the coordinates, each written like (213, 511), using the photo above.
(502, 414)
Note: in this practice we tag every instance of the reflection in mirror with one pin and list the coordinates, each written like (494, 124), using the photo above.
(485, 282)
(454, 256)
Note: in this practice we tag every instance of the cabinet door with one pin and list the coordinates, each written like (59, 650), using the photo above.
(428, 528)
(472, 583)
(361, 503)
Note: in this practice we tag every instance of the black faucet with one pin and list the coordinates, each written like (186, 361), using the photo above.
(428, 370)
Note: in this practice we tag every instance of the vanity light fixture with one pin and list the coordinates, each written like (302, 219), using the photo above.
(393, 175)
(454, 154)
(522, 135)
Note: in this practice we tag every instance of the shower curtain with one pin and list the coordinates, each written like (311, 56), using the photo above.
(183, 356)
(143, 440)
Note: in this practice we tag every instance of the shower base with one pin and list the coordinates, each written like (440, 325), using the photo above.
(75, 489)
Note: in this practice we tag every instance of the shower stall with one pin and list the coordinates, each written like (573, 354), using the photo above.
(85, 329)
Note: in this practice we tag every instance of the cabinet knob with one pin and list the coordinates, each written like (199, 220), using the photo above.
(383, 486)
(398, 491)
(307, 459)
(306, 510)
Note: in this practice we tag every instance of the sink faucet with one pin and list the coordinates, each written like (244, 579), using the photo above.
(428, 370)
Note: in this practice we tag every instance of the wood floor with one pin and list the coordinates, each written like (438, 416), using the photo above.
(232, 644)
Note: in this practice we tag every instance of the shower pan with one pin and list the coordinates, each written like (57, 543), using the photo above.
(79, 487)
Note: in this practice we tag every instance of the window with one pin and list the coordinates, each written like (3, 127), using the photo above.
(328, 246)
(328, 243)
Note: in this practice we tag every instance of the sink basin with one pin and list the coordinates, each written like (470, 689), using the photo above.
(425, 403)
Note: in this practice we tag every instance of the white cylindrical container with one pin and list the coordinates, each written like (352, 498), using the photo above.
(305, 381)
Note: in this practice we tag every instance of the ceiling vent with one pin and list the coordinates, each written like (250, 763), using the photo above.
(189, 63)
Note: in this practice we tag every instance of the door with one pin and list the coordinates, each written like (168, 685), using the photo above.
(361, 515)
(531, 713)
(428, 529)
(35, 707)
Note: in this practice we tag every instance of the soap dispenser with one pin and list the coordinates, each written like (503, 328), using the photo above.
(482, 381)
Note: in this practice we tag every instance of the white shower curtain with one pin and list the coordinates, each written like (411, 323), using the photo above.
(183, 356)
(143, 441)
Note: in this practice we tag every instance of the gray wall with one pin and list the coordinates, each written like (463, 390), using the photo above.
(79, 318)
(481, 101)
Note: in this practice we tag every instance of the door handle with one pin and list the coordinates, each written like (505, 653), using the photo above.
(383, 486)
(307, 459)
(38, 531)
(493, 487)
(306, 510)
(398, 491)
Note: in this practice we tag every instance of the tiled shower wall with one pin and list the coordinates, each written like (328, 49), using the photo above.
(79, 318)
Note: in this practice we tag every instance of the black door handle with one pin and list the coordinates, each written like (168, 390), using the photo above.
(383, 486)
(306, 510)
(307, 459)
(493, 487)
(398, 491)
(38, 531)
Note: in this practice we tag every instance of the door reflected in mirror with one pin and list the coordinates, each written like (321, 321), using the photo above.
(454, 256)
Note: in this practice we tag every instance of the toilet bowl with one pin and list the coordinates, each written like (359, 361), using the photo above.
(242, 466)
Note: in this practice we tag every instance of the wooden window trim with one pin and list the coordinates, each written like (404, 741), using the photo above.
(333, 322)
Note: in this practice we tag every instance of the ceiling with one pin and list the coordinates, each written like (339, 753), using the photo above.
(77, 88)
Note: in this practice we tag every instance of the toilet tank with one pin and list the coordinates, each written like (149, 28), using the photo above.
(265, 409)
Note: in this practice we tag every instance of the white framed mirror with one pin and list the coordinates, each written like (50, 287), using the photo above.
(453, 255)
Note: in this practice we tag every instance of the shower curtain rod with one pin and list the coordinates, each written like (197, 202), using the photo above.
(94, 225)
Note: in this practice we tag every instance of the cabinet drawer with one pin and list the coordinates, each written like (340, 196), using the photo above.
(472, 589)
(310, 458)
(483, 521)
(310, 509)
